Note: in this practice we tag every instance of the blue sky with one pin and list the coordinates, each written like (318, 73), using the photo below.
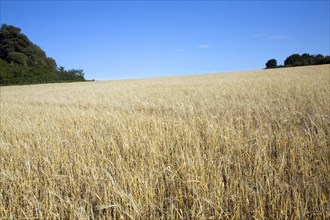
(133, 39)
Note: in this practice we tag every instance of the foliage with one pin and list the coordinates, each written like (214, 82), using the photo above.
(272, 63)
(22, 62)
(301, 60)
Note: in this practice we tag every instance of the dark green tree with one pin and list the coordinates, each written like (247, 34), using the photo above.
(272, 63)
(22, 62)
(307, 59)
(293, 60)
(326, 60)
(17, 48)
(17, 57)
(51, 64)
(319, 59)
(300, 60)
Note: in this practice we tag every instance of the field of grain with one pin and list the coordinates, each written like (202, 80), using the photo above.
(248, 145)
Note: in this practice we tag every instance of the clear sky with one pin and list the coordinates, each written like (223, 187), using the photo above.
(133, 39)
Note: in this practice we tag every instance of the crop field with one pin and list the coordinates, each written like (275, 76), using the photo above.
(245, 145)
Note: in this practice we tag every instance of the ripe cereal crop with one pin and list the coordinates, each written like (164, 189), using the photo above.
(245, 145)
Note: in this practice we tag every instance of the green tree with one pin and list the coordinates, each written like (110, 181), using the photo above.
(51, 63)
(293, 60)
(17, 48)
(319, 59)
(308, 59)
(272, 63)
(326, 60)
(17, 57)
(22, 62)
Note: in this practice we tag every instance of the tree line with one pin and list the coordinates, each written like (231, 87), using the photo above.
(23, 62)
(299, 60)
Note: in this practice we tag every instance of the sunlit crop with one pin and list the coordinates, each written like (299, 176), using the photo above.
(247, 145)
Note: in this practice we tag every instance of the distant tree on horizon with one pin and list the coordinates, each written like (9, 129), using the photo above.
(272, 63)
(300, 60)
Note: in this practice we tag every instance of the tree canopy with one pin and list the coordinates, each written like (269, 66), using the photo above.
(272, 63)
(23, 62)
(300, 60)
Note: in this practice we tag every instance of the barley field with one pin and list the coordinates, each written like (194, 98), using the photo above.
(245, 145)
